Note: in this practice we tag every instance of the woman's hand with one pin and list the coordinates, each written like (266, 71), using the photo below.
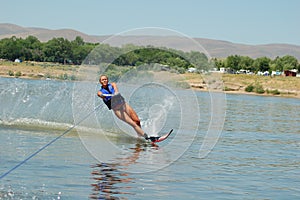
(100, 95)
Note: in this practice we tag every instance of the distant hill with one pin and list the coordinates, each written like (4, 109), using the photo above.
(216, 48)
(9, 30)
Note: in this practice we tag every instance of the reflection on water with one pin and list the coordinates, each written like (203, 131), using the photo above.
(106, 179)
(109, 178)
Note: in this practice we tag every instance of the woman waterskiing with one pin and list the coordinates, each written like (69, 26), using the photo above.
(114, 101)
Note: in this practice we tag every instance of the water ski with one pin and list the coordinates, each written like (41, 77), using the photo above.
(156, 139)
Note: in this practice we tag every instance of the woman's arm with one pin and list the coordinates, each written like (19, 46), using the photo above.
(115, 87)
(99, 93)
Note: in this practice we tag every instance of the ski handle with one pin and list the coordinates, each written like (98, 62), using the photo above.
(107, 95)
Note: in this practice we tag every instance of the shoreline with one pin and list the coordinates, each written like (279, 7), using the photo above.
(36, 70)
(288, 87)
(229, 83)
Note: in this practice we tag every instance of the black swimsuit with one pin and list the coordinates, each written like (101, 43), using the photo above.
(114, 101)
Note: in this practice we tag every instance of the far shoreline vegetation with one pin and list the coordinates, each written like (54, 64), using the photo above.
(61, 59)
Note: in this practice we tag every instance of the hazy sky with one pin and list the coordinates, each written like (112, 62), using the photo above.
(239, 21)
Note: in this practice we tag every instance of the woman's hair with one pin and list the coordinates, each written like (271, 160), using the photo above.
(102, 76)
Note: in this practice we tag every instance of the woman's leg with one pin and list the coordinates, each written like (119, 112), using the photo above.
(122, 115)
(132, 114)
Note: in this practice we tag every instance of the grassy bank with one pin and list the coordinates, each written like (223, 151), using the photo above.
(251, 84)
(38, 70)
(230, 83)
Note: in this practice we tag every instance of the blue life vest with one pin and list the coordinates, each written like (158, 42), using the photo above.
(113, 102)
(110, 90)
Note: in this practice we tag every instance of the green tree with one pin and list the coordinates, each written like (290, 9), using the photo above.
(78, 41)
(262, 64)
(276, 64)
(58, 50)
(199, 60)
(10, 48)
(246, 63)
(32, 49)
(218, 63)
(103, 53)
(80, 50)
(286, 63)
(233, 62)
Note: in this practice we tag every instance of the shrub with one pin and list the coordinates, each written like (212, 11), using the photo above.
(259, 89)
(181, 70)
(11, 73)
(73, 77)
(274, 92)
(47, 75)
(228, 89)
(63, 77)
(18, 74)
(249, 88)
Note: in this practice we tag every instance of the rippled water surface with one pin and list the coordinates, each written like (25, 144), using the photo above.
(257, 155)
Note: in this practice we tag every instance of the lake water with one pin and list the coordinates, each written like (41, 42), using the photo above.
(43, 156)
